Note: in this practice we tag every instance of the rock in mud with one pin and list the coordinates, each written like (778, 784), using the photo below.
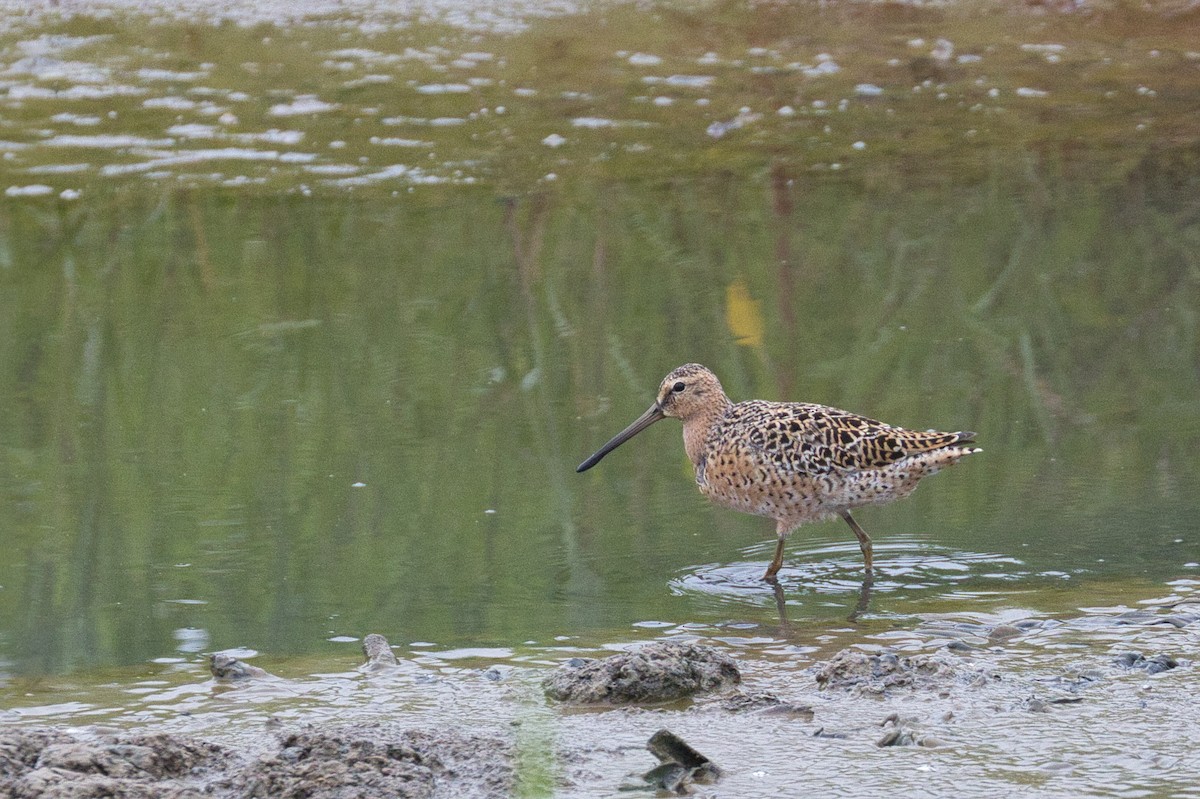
(48, 764)
(680, 765)
(864, 673)
(378, 653)
(658, 672)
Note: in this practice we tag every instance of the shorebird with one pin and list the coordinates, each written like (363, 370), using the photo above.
(794, 462)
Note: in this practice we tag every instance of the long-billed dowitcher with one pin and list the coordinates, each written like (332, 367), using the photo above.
(794, 462)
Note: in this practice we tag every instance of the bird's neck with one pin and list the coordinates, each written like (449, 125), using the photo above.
(697, 427)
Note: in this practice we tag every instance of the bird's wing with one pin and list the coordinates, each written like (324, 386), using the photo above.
(816, 439)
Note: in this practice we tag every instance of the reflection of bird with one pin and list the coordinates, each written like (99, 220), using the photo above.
(795, 462)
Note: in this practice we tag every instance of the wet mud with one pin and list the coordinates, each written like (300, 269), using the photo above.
(364, 760)
(981, 698)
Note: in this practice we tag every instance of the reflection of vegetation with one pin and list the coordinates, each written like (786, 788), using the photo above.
(536, 756)
(195, 382)
(187, 423)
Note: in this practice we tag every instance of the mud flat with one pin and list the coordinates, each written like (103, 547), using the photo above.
(1078, 703)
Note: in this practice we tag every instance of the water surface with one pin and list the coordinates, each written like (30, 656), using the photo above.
(307, 326)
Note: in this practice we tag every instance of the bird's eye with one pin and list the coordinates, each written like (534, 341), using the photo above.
(678, 387)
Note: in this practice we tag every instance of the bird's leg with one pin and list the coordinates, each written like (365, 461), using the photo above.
(777, 563)
(864, 540)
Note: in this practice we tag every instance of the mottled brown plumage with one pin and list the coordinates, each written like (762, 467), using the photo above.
(794, 462)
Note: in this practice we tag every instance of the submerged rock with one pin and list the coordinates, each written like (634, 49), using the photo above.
(765, 702)
(821, 732)
(1036, 704)
(906, 736)
(1152, 665)
(876, 674)
(658, 672)
(901, 734)
(1003, 632)
(227, 668)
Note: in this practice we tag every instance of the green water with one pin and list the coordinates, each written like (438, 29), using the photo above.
(246, 404)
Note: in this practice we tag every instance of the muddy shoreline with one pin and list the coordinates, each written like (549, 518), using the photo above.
(940, 702)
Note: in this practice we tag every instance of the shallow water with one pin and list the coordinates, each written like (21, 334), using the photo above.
(308, 323)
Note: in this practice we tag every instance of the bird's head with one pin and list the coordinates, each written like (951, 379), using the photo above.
(687, 392)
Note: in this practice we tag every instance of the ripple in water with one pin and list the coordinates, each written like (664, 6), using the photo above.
(837, 570)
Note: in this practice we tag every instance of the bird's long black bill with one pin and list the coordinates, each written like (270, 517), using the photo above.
(652, 415)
